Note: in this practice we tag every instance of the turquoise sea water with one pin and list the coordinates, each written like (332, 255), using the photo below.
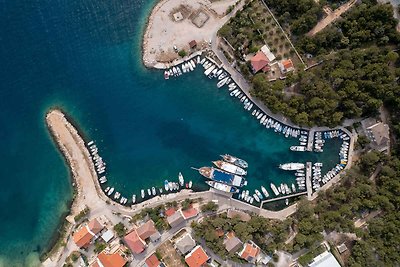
(84, 56)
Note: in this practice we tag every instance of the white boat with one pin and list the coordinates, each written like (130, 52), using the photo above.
(292, 166)
(251, 200)
(209, 70)
(265, 192)
(298, 148)
(110, 191)
(153, 191)
(133, 198)
(149, 191)
(90, 143)
(223, 75)
(190, 184)
(287, 202)
(106, 190)
(171, 186)
(166, 185)
(229, 167)
(235, 160)
(222, 187)
(181, 180)
(122, 200)
(242, 195)
(117, 195)
(142, 193)
(256, 198)
(219, 72)
(222, 82)
(233, 92)
(274, 189)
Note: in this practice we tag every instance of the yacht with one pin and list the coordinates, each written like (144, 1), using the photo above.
(153, 191)
(222, 187)
(292, 166)
(110, 191)
(234, 160)
(133, 198)
(142, 193)
(149, 191)
(229, 167)
(190, 184)
(265, 192)
(106, 190)
(298, 148)
(274, 189)
(256, 198)
(258, 193)
(181, 180)
(166, 186)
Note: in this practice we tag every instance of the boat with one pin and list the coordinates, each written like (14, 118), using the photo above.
(166, 187)
(190, 184)
(222, 187)
(181, 180)
(106, 190)
(90, 143)
(293, 188)
(166, 75)
(223, 75)
(153, 191)
(274, 189)
(242, 194)
(222, 82)
(117, 195)
(258, 193)
(287, 202)
(229, 167)
(298, 148)
(122, 200)
(251, 200)
(209, 70)
(142, 193)
(110, 191)
(133, 198)
(149, 191)
(171, 186)
(234, 160)
(291, 166)
(256, 197)
(265, 192)
(222, 176)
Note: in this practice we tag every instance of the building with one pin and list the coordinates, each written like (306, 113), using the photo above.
(286, 65)
(243, 216)
(175, 219)
(342, 248)
(267, 52)
(250, 252)
(107, 236)
(152, 261)
(192, 44)
(84, 236)
(377, 133)
(109, 260)
(259, 62)
(185, 243)
(232, 243)
(197, 257)
(136, 240)
(190, 213)
(326, 259)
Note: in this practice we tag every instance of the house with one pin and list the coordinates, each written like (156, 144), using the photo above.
(378, 133)
(259, 62)
(190, 213)
(134, 242)
(170, 212)
(250, 252)
(232, 243)
(197, 257)
(185, 243)
(152, 261)
(243, 216)
(192, 44)
(175, 219)
(136, 239)
(342, 248)
(84, 236)
(267, 52)
(286, 65)
(109, 260)
(326, 259)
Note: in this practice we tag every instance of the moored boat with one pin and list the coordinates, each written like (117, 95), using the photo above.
(153, 191)
(292, 166)
(265, 192)
(258, 193)
(181, 180)
(133, 198)
(298, 148)
(166, 186)
(222, 187)
(110, 191)
(274, 189)
(142, 193)
(190, 184)
(256, 198)
(229, 167)
(234, 160)
(222, 176)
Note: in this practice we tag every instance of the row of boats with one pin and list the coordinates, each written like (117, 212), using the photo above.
(186, 66)
(257, 196)
(227, 175)
(98, 162)
(283, 189)
(319, 138)
(316, 175)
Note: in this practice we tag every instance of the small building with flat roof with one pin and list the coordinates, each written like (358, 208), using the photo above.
(326, 259)
(107, 236)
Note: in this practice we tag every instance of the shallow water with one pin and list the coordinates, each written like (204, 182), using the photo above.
(84, 56)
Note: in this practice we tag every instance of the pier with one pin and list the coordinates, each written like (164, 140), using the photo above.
(308, 179)
(310, 140)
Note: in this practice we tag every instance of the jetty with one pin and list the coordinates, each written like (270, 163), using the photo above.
(284, 197)
(308, 179)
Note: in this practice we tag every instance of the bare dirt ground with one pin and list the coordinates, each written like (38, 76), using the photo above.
(163, 32)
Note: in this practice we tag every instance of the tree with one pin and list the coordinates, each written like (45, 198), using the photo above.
(182, 53)
(210, 206)
(120, 229)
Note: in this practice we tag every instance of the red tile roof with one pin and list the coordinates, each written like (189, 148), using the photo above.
(83, 237)
(190, 213)
(152, 261)
(134, 242)
(287, 64)
(259, 61)
(250, 252)
(170, 212)
(95, 227)
(197, 257)
(146, 230)
(111, 260)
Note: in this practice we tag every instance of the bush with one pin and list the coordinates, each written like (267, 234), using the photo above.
(120, 229)
(81, 214)
(182, 53)
(210, 206)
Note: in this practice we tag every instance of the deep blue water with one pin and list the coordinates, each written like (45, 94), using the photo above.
(84, 56)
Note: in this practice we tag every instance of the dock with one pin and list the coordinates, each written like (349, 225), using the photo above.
(308, 179)
(310, 140)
